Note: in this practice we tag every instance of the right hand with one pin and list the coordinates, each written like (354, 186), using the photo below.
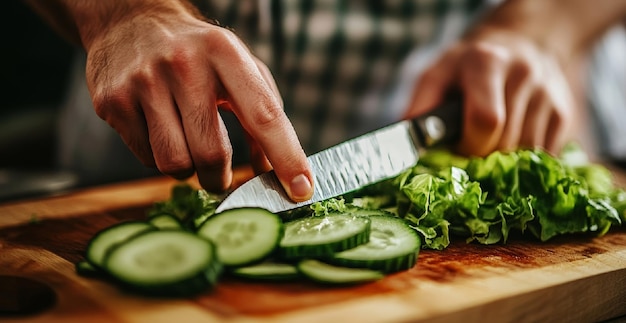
(158, 76)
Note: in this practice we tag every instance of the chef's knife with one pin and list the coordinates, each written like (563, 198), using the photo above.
(364, 160)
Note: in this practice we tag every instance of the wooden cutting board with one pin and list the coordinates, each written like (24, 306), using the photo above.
(576, 278)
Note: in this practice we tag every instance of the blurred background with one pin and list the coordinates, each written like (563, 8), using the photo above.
(35, 72)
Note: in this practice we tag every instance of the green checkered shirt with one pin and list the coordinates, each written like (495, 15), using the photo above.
(339, 65)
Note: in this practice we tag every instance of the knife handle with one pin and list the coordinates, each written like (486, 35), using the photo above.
(442, 125)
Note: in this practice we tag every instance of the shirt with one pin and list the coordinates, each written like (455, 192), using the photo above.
(338, 64)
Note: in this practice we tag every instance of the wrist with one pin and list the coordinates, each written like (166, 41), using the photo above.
(536, 21)
(566, 29)
(96, 19)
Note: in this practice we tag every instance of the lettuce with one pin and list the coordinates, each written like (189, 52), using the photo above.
(486, 199)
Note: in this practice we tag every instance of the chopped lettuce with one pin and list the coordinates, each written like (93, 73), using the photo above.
(191, 206)
(485, 199)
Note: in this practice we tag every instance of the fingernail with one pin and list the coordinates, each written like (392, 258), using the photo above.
(301, 188)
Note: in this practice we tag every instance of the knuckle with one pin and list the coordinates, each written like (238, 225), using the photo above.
(169, 158)
(486, 54)
(141, 150)
(216, 164)
(175, 165)
(489, 120)
(222, 41)
(524, 71)
(268, 114)
(112, 105)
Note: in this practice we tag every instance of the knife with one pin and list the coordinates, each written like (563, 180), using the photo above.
(353, 164)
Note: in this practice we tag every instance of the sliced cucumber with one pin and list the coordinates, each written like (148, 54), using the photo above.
(268, 271)
(392, 246)
(164, 263)
(165, 221)
(321, 236)
(100, 243)
(329, 274)
(86, 269)
(243, 236)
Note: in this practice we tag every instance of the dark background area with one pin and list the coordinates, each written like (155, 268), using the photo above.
(35, 64)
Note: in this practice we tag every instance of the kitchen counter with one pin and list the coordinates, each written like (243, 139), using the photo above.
(573, 278)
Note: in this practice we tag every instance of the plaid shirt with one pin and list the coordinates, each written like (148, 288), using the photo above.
(339, 64)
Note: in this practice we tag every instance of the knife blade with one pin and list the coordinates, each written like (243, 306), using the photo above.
(353, 164)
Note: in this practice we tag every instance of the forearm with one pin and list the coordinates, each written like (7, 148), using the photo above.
(565, 27)
(83, 21)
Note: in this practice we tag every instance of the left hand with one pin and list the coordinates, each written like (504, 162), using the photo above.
(515, 92)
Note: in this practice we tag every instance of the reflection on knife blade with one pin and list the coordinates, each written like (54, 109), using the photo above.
(356, 163)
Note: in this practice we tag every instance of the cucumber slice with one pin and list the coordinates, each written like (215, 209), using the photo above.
(100, 243)
(165, 221)
(268, 271)
(164, 263)
(329, 274)
(243, 236)
(392, 246)
(321, 236)
(86, 269)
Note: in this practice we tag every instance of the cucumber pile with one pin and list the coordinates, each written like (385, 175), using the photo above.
(162, 257)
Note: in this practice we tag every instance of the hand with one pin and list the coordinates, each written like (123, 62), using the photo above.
(158, 78)
(515, 93)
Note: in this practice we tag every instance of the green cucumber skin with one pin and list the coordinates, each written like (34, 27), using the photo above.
(395, 262)
(184, 288)
(165, 221)
(97, 260)
(86, 269)
(391, 265)
(275, 272)
(328, 274)
(323, 248)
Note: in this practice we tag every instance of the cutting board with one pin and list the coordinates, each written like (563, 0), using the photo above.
(574, 278)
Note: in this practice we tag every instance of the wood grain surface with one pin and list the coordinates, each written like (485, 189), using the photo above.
(574, 278)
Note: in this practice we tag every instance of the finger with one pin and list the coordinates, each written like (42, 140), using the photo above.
(482, 81)
(536, 121)
(123, 114)
(269, 78)
(519, 86)
(260, 163)
(261, 114)
(169, 146)
(563, 113)
(432, 86)
(556, 131)
(195, 92)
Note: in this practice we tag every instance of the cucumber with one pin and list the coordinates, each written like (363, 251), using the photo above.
(165, 221)
(393, 246)
(100, 243)
(243, 236)
(268, 271)
(86, 269)
(322, 236)
(328, 274)
(170, 263)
